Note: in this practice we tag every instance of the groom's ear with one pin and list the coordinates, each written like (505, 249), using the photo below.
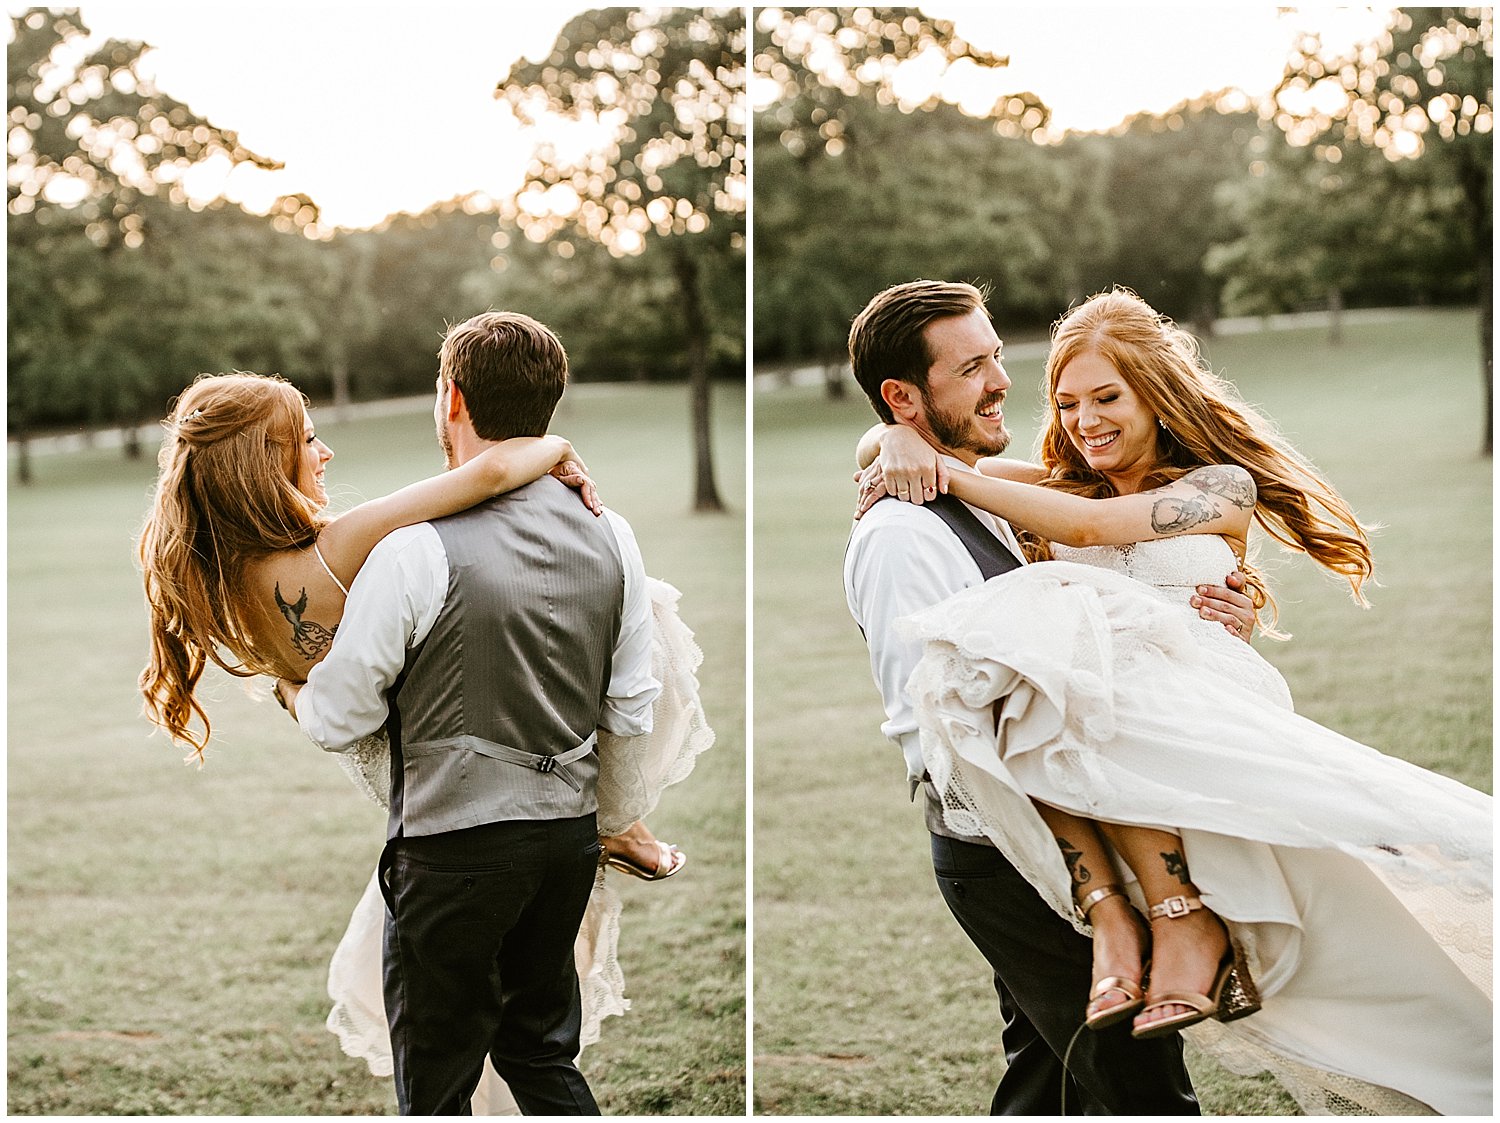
(456, 404)
(901, 397)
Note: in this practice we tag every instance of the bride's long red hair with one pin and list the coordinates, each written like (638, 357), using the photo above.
(227, 494)
(1206, 422)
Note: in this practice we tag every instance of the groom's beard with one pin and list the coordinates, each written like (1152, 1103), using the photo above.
(445, 442)
(960, 432)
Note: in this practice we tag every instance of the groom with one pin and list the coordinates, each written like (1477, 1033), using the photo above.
(492, 645)
(927, 356)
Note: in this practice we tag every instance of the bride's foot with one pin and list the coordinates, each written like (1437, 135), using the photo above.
(638, 852)
(1195, 973)
(1120, 943)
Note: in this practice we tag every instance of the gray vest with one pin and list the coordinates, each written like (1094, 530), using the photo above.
(993, 557)
(495, 715)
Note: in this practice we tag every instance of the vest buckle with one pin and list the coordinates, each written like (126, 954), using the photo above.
(546, 764)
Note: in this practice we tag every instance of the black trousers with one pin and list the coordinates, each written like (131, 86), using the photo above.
(1042, 968)
(479, 933)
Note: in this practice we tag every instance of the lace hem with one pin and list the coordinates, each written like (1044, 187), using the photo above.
(634, 771)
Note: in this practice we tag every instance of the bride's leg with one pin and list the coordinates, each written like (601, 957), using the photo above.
(1186, 951)
(1120, 936)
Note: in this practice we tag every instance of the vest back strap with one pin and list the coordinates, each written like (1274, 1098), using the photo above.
(542, 762)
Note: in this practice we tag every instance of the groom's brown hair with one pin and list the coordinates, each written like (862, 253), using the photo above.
(511, 371)
(887, 339)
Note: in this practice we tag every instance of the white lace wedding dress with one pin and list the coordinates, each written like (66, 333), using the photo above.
(1359, 884)
(633, 771)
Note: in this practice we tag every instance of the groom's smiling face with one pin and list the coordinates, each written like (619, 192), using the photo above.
(966, 384)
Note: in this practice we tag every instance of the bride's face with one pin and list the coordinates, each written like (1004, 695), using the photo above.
(312, 456)
(1106, 422)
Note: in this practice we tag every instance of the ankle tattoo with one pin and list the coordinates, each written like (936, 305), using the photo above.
(1074, 858)
(1177, 866)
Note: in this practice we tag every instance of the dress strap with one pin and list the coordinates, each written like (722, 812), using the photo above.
(331, 575)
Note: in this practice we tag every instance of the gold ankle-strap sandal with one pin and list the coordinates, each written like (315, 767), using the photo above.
(1130, 988)
(1233, 994)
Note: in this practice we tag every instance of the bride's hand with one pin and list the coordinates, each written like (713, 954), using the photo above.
(572, 471)
(875, 485)
(871, 488)
(913, 470)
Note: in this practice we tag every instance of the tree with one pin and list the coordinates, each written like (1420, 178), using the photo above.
(858, 187)
(95, 132)
(822, 63)
(94, 148)
(668, 183)
(1167, 172)
(1423, 92)
(348, 314)
(1363, 232)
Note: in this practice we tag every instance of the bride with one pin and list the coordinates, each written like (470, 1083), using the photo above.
(238, 546)
(1340, 896)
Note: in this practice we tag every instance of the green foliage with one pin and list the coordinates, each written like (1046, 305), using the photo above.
(827, 63)
(668, 183)
(869, 999)
(1160, 180)
(169, 927)
(1423, 97)
(1206, 209)
(854, 195)
(121, 292)
(95, 127)
(667, 82)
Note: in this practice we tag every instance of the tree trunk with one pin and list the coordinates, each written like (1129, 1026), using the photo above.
(705, 493)
(338, 370)
(1487, 349)
(131, 437)
(833, 379)
(1335, 316)
(23, 458)
(1474, 176)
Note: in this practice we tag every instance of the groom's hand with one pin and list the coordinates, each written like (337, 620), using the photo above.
(1229, 606)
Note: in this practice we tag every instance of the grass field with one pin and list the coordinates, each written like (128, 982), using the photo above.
(170, 927)
(868, 998)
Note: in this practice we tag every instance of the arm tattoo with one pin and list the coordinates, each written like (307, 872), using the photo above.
(1234, 484)
(1173, 516)
(1074, 858)
(1177, 865)
(310, 638)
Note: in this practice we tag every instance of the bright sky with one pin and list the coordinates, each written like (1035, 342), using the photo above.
(1096, 64)
(379, 107)
(373, 108)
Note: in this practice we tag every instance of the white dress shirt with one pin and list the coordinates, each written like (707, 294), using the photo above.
(902, 559)
(392, 606)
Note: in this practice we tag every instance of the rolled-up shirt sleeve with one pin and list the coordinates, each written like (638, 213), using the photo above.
(392, 606)
(632, 686)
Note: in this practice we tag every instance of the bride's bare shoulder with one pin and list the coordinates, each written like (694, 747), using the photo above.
(296, 606)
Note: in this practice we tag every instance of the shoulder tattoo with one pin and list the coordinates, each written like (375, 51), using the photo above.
(1233, 483)
(309, 637)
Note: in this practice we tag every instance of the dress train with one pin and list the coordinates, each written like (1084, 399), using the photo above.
(1359, 884)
